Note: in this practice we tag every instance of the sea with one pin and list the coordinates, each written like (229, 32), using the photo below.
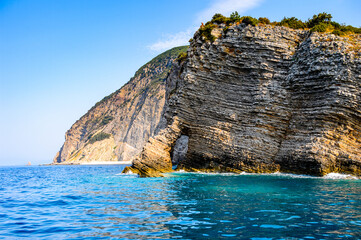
(98, 202)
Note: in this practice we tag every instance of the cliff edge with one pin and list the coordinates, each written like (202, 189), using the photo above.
(261, 99)
(118, 126)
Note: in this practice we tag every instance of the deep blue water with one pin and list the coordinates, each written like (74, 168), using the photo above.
(97, 202)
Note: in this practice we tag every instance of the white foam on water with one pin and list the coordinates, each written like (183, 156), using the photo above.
(128, 173)
(291, 175)
(243, 173)
(339, 176)
(279, 174)
(125, 174)
(202, 173)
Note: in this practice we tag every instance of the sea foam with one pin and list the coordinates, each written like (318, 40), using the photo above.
(278, 174)
(339, 176)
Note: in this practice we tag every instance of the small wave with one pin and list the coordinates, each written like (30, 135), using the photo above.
(278, 174)
(270, 211)
(339, 176)
(245, 173)
(291, 175)
(128, 173)
(203, 173)
(273, 226)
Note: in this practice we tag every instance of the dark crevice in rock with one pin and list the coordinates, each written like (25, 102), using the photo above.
(179, 150)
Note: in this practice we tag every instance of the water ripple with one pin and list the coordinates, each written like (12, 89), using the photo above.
(97, 202)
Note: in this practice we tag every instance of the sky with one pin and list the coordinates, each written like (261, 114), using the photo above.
(59, 57)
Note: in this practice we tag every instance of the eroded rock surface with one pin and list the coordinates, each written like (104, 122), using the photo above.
(117, 127)
(263, 99)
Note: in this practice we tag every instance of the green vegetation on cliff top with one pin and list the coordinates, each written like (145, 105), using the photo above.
(161, 60)
(321, 22)
(167, 55)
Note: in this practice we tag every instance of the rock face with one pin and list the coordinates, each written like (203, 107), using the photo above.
(118, 126)
(262, 99)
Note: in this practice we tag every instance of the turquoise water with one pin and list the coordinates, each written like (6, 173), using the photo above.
(97, 202)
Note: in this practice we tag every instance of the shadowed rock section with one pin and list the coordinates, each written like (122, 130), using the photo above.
(117, 127)
(263, 99)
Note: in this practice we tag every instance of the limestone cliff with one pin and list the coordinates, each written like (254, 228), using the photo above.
(262, 99)
(118, 126)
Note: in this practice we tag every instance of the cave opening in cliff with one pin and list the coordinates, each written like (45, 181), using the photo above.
(179, 150)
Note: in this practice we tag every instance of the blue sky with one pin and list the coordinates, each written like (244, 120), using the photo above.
(59, 57)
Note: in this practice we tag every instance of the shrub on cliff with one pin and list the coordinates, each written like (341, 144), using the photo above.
(322, 27)
(249, 20)
(318, 23)
(322, 23)
(264, 20)
(206, 31)
(98, 137)
(336, 25)
(338, 32)
(235, 17)
(182, 56)
(318, 19)
(106, 120)
(292, 22)
(349, 29)
(219, 18)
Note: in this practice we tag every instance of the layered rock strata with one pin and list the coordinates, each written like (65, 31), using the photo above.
(262, 99)
(118, 126)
